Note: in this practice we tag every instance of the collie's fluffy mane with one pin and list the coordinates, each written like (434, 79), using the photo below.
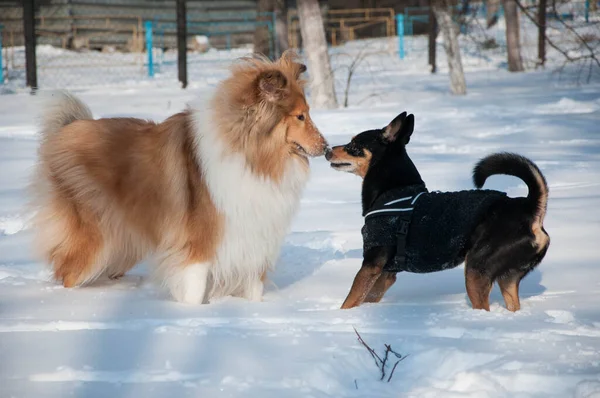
(250, 104)
(288, 64)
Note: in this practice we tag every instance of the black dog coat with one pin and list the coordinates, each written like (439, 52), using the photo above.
(430, 229)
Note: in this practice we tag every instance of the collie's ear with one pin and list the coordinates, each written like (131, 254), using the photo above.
(301, 70)
(400, 129)
(272, 85)
(289, 59)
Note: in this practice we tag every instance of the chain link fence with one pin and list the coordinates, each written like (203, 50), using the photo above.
(105, 42)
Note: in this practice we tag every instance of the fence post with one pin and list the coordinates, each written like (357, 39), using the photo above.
(1, 63)
(182, 43)
(587, 11)
(149, 46)
(400, 30)
(29, 31)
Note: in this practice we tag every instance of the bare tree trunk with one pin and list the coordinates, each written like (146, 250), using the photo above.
(432, 38)
(492, 12)
(513, 45)
(542, 32)
(315, 49)
(261, 33)
(281, 28)
(443, 14)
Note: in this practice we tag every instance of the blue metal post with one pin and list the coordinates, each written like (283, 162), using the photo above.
(1, 67)
(400, 30)
(587, 11)
(149, 48)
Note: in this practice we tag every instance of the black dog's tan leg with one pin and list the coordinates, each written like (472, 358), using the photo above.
(385, 281)
(371, 270)
(479, 286)
(509, 286)
(363, 282)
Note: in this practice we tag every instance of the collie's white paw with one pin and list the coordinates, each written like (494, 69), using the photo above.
(254, 291)
(189, 284)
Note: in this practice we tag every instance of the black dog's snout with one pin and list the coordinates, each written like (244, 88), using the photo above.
(328, 153)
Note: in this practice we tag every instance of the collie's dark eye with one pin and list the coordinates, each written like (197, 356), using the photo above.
(300, 117)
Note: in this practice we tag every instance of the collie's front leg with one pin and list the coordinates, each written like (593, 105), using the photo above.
(254, 290)
(188, 284)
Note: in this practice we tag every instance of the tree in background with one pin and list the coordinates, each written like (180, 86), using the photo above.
(322, 88)
(281, 28)
(513, 42)
(541, 24)
(432, 37)
(443, 10)
(577, 42)
(262, 38)
(492, 7)
(261, 33)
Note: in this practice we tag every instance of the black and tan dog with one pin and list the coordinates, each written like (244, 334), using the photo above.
(409, 229)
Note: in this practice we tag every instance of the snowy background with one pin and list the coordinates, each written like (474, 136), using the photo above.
(127, 339)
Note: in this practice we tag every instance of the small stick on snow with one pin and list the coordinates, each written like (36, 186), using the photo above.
(378, 361)
(402, 358)
(385, 358)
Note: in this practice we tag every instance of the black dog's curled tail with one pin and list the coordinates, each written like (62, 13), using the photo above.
(520, 167)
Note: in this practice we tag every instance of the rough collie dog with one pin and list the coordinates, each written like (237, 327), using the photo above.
(209, 192)
(409, 229)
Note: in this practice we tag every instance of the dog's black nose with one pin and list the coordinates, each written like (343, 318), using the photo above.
(328, 154)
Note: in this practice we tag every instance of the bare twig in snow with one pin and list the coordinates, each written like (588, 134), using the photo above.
(394, 368)
(367, 97)
(356, 61)
(371, 351)
(381, 363)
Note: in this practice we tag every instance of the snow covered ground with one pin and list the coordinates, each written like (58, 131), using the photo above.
(126, 339)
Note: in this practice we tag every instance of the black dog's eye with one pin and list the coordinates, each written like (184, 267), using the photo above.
(300, 117)
(353, 150)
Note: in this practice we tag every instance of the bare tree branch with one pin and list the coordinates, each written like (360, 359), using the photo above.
(381, 363)
(371, 351)
(356, 61)
(591, 55)
(394, 368)
(574, 32)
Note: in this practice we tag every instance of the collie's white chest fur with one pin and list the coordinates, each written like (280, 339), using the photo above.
(258, 211)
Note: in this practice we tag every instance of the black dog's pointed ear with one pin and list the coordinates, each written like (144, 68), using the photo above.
(407, 128)
(400, 129)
